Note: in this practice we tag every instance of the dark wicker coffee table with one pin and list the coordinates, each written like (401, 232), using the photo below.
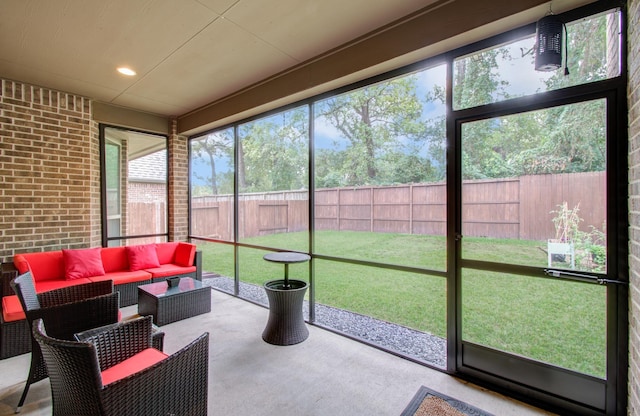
(169, 304)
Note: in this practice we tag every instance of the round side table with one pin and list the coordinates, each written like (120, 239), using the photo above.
(286, 324)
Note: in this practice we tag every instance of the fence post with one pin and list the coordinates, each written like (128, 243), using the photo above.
(372, 203)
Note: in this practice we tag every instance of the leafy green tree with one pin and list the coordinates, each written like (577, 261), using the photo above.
(382, 135)
(274, 152)
(327, 172)
(559, 139)
(208, 149)
(477, 80)
(571, 139)
(574, 136)
(588, 52)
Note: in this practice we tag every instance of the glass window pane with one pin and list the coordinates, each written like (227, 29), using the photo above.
(212, 185)
(534, 188)
(136, 180)
(404, 312)
(217, 264)
(380, 172)
(138, 240)
(273, 181)
(507, 71)
(114, 200)
(554, 321)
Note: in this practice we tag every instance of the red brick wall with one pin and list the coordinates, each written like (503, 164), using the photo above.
(49, 170)
(146, 192)
(633, 56)
(178, 185)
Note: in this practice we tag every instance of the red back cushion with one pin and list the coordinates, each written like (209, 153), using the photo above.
(185, 253)
(166, 252)
(48, 265)
(115, 259)
(82, 263)
(142, 257)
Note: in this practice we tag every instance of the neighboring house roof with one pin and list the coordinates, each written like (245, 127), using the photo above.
(149, 168)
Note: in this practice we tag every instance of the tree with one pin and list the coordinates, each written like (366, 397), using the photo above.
(208, 149)
(477, 80)
(568, 138)
(572, 138)
(381, 134)
(274, 152)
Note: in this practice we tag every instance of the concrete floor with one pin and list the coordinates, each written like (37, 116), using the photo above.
(325, 375)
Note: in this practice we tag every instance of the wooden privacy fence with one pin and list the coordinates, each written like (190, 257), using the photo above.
(145, 218)
(518, 208)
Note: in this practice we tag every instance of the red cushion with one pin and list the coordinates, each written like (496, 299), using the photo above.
(185, 253)
(115, 259)
(138, 362)
(46, 265)
(143, 256)
(82, 263)
(12, 309)
(166, 252)
(22, 265)
(48, 285)
(120, 278)
(170, 270)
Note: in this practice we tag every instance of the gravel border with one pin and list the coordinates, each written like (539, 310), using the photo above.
(405, 341)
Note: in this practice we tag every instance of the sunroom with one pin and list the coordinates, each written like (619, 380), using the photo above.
(463, 211)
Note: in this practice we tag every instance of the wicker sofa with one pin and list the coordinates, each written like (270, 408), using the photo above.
(128, 267)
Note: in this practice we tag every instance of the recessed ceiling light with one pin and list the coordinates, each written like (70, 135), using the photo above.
(126, 71)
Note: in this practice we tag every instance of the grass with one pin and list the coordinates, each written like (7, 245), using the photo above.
(559, 322)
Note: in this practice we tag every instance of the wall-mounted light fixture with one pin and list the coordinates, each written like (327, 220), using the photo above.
(548, 48)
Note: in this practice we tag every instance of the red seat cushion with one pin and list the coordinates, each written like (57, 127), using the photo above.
(142, 257)
(138, 362)
(12, 309)
(120, 278)
(48, 285)
(170, 270)
(82, 263)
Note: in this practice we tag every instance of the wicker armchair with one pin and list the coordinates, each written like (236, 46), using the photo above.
(170, 385)
(15, 335)
(65, 311)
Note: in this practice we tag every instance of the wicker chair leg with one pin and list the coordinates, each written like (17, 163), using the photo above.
(37, 372)
(24, 393)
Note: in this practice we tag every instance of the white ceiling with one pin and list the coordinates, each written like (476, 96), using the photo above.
(187, 53)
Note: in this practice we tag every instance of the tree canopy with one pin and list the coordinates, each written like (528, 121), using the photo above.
(381, 136)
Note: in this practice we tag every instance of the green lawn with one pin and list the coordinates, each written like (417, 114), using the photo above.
(562, 323)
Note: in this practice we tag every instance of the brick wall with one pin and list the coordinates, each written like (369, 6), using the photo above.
(146, 192)
(95, 211)
(49, 170)
(633, 43)
(178, 185)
